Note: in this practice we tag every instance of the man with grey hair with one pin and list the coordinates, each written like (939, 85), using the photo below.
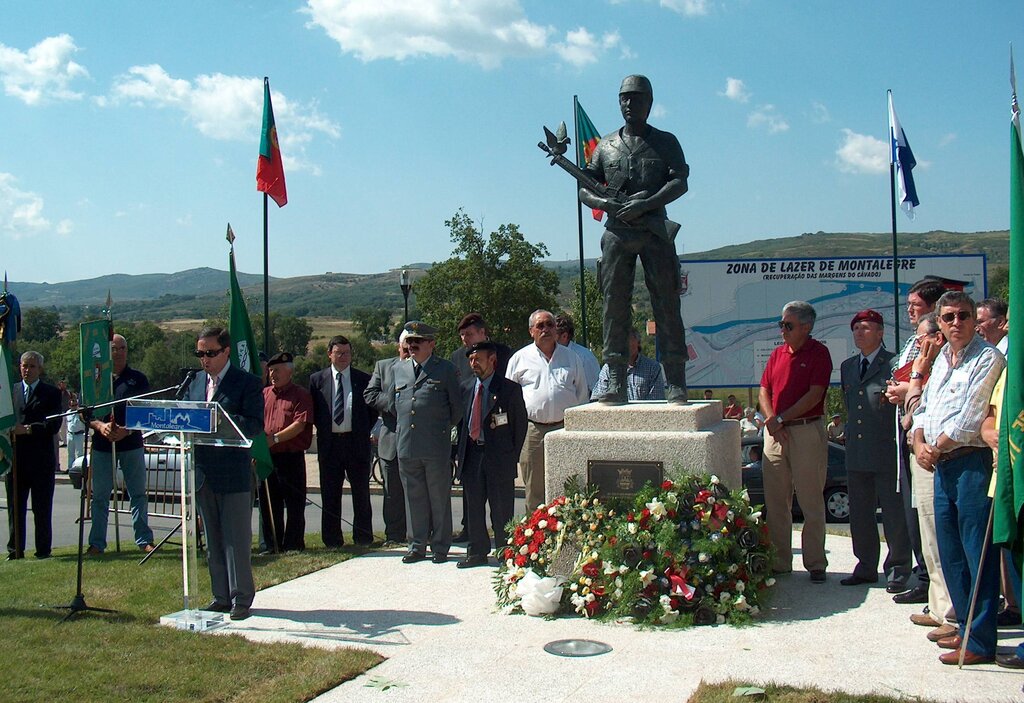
(553, 380)
(792, 397)
(35, 452)
(648, 166)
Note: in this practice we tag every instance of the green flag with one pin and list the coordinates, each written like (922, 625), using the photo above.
(245, 357)
(7, 416)
(1009, 499)
(96, 367)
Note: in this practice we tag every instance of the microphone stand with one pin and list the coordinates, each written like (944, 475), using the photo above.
(78, 604)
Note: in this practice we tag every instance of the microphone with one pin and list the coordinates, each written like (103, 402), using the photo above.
(190, 375)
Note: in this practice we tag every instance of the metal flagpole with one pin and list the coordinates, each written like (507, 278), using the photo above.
(895, 259)
(113, 445)
(266, 280)
(579, 225)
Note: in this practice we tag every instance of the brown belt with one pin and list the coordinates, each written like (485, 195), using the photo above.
(547, 424)
(801, 421)
(958, 452)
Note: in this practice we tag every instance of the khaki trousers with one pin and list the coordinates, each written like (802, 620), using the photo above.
(940, 605)
(798, 466)
(531, 463)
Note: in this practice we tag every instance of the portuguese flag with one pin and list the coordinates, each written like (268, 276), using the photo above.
(586, 141)
(269, 168)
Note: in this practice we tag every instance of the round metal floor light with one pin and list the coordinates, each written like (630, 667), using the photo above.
(577, 648)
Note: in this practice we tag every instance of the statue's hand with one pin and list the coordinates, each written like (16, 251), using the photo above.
(632, 210)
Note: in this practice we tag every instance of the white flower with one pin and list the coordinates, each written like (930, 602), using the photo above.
(533, 557)
(618, 582)
(756, 517)
(528, 532)
(671, 497)
(754, 610)
(631, 526)
(720, 620)
(740, 587)
(623, 568)
(657, 509)
(733, 568)
(590, 597)
(741, 603)
(711, 500)
(703, 557)
(542, 524)
(559, 525)
(524, 550)
(646, 577)
(552, 510)
(714, 480)
(618, 593)
(770, 581)
(724, 596)
(730, 515)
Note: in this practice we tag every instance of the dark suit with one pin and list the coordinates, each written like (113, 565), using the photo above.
(224, 486)
(871, 469)
(343, 455)
(36, 460)
(378, 397)
(487, 467)
(426, 408)
(461, 361)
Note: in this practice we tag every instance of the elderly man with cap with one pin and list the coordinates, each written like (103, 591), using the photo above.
(427, 402)
(343, 423)
(871, 459)
(836, 428)
(648, 165)
(491, 437)
(288, 421)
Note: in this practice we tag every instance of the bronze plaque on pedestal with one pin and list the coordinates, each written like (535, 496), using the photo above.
(623, 479)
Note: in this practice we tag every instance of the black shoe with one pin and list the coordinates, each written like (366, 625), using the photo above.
(896, 586)
(439, 558)
(413, 557)
(914, 595)
(11, 556)
(855, 580)
(215, 606)
(470, 562)
(1009, 661)
(461, 537)
(818, 576)
(240, 612)
(1008, 618)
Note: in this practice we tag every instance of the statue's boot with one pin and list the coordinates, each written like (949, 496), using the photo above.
(675, 383)
(616, 393)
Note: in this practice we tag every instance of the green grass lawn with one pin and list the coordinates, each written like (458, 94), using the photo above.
(728, 692)
(127, 656)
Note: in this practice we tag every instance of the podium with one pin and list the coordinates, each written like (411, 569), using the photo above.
(196, 423)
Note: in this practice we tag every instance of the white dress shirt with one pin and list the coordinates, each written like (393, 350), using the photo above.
(549, 386)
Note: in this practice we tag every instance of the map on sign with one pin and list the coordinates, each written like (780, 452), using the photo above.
(731, 308)
(168, 417)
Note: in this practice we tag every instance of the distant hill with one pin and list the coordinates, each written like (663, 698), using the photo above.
(202, 292)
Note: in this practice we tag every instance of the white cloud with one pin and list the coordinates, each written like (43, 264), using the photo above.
(768, 117)
(947, 139)
(21, 212)
(42, 73)
(64, 227)
(689, 8)
(735, 90)
(227, 108)
(658, 112)
(820, 113)
(485, 32)
(862, 153)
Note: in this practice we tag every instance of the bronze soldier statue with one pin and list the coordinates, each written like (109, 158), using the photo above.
(646, 168)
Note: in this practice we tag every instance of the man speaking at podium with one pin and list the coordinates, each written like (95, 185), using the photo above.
(224, 477)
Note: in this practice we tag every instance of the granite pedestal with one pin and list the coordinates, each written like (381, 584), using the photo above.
(689, 438)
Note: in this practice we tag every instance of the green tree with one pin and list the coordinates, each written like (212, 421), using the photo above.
(160, 365)
(594, 333)
(999, 282)
(373, 322)
(500, 277)
(291, 334)
(40, 325)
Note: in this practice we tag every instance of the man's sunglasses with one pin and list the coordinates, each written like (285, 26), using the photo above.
(959, 315)
(209, 353)
(788, 326)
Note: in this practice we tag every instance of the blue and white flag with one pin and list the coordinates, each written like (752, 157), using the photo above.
(903, 159)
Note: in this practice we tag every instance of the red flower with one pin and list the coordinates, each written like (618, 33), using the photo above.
(720, 510)
(592, 607)
(598, 591)
(629, 517)
(532, 548)
(671, 514)
(666, 485)
(740, 522)
(508, 553)
(644, 514)
(521, 560)
(613, 540)
(591, 569)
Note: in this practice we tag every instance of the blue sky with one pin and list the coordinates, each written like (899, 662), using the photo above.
(132, 129)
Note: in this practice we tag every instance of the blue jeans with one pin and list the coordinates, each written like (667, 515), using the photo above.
(962, 507)
(133, 467)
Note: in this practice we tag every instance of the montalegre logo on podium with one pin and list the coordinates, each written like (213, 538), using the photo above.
(97, 376)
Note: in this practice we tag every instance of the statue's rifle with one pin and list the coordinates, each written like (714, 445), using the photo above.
(556, 147)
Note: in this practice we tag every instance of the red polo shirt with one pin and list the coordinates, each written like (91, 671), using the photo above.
(789, 375)
(283, 407)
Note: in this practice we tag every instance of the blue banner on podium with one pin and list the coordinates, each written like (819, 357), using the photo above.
(168, 416)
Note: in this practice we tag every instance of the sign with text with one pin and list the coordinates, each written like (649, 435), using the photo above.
(622, 479)
(731, 307)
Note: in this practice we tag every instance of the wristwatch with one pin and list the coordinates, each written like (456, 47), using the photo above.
(276, 440)
(778, 419)
(916, 375)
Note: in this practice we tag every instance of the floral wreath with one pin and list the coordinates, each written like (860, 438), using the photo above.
(687, 552)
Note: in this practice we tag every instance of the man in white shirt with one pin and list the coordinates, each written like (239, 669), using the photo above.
(553, 379)
(565, 334)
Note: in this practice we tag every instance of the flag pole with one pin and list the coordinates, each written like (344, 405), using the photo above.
(266, 280)
(579, 225)
(895, 257)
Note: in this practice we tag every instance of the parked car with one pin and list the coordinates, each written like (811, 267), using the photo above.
(837, 495)
(162, 458)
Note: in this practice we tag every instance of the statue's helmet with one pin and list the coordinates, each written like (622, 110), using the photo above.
(636, 84)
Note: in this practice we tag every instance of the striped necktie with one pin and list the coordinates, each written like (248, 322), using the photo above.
(339, 399)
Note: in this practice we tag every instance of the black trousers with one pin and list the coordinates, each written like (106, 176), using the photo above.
(395, 523)
(345, 458)
(39, 482)
(286, 485)
(483, 486)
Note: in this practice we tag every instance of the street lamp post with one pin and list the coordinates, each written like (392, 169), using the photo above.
(406, 285)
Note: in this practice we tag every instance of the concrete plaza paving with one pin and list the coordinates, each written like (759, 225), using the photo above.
(444, 640)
